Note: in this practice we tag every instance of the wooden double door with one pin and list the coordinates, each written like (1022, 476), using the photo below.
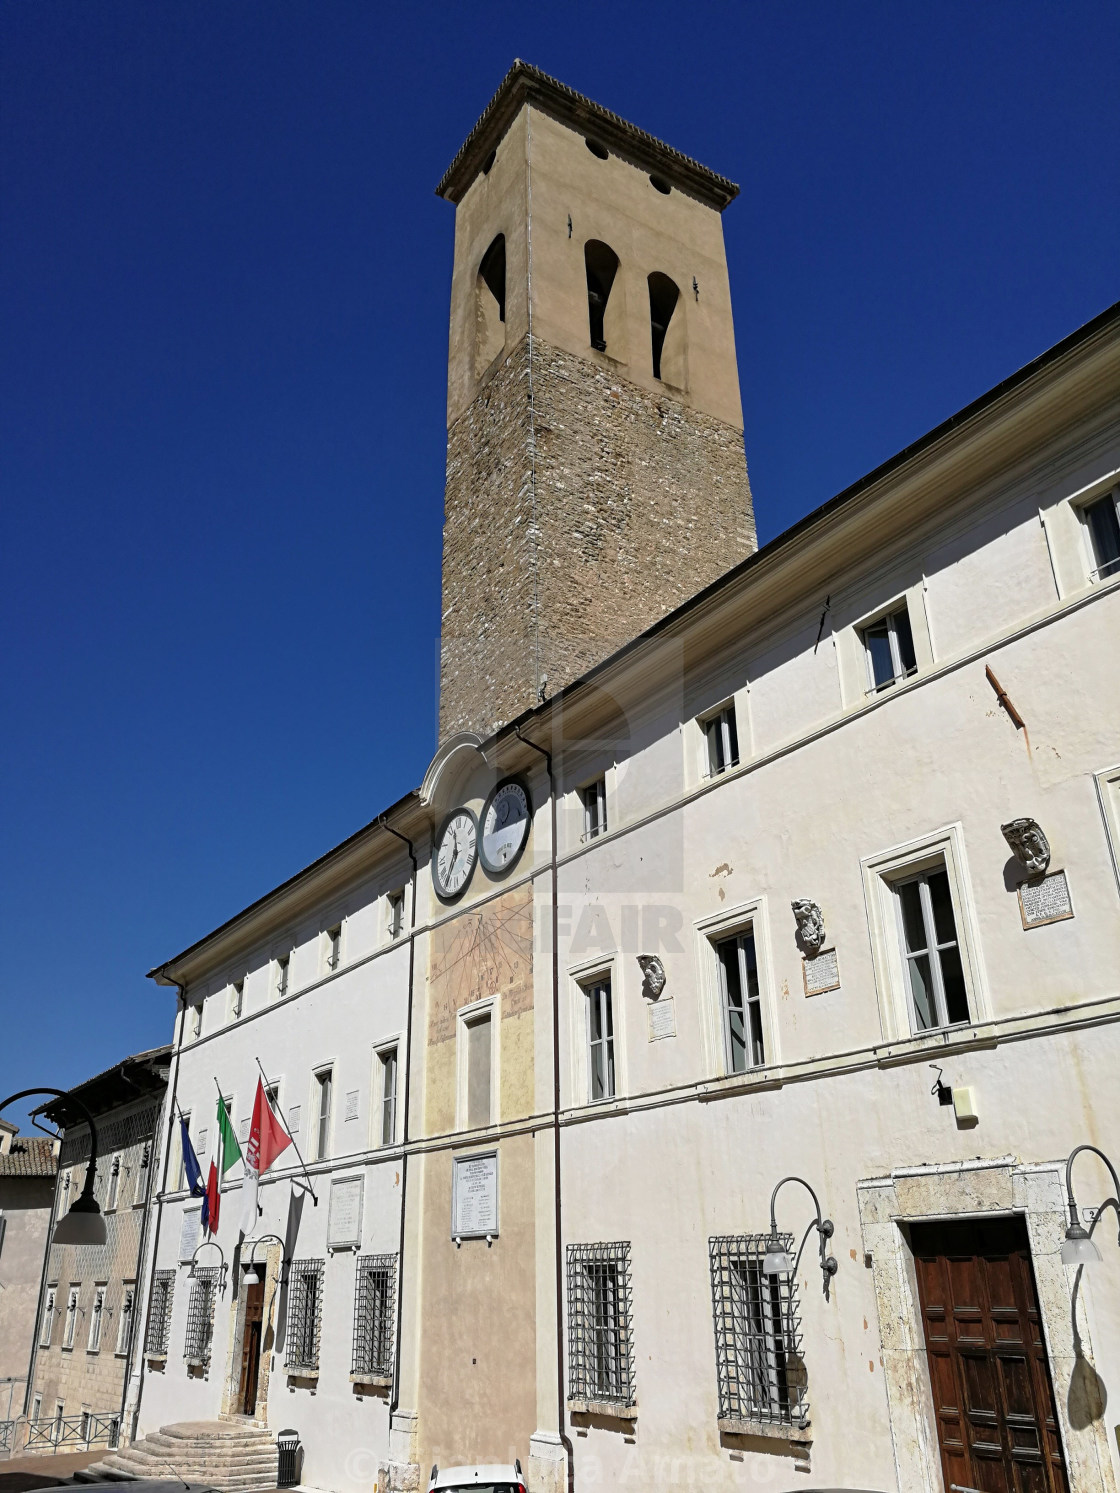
(251, 1350)
(992, 1392)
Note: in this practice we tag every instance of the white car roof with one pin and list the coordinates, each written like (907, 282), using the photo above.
(488, 1472)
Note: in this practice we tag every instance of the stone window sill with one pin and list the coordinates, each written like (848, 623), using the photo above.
(773, 1431)
(375, 1381)
(156, 1357)
(613, 1409)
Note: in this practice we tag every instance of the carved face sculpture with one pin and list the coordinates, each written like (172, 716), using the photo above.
(653, 976)
(810, 926)
(1029, 844)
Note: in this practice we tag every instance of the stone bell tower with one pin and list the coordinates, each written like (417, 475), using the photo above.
(595, 469)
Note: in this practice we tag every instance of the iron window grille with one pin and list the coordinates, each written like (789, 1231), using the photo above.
(305, 1309)
(200, 1315)
(600, 1338)
(757, 1320)
(159, 1314)
(374, 1304)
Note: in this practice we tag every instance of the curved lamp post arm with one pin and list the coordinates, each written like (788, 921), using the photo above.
(91, 1170)
(1069, 1181)
(264, 1238)
(824, 1226)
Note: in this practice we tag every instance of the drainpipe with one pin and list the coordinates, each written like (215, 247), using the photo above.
(395, 1399)
(561, 1402)
(180, 1016)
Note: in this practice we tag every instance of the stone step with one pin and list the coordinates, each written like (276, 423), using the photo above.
(230, 1457)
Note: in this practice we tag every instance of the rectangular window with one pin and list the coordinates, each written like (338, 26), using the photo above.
(46, 1327)
(143, 1175)
(723, 741)
(200, 1315)
(1102, 519)
(374, 1299)
(388, 1061)
(124, 1323)
(324, 1088)
(114, 1184)
(71, 1324)
(758, 1338)
(742, 1002)
(36, 1409)
(334, 946)
(283, 974)
(600, 1037)
(594, 809)
(600, 1347)
(194, 1022)
(478, 1036)
(305, 1307)
(59, 1412)
(159, 1314)
(93, 1344)
(236, 1000)
(396, 913)
(889, 645)
(928, 933)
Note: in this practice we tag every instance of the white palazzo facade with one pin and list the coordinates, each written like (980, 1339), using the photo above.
(543, 1170)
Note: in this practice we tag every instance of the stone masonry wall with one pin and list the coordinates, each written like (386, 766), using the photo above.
(635, 502)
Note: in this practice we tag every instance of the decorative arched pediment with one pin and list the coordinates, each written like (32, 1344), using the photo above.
(457, 759)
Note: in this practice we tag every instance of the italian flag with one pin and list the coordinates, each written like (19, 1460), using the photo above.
(223, 1153)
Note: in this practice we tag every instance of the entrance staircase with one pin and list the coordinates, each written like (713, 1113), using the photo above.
(236, 1458)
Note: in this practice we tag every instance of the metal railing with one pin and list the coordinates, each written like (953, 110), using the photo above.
(83, 1430)
(7, 1434)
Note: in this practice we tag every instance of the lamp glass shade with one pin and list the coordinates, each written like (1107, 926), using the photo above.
(251, 1277)
(82, 1225)
(777, 1260)
(1079, 1249)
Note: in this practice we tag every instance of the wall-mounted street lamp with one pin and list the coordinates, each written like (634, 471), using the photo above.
(252, 1275)
(778, 1261)
(83, 1223)
(212, 1244)
(1079, 1248)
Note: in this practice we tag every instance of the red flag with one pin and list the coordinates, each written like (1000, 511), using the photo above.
(267, 1138)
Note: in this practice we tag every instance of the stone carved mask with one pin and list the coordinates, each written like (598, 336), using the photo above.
(1030, 846)
(653, 976)
(810, 926)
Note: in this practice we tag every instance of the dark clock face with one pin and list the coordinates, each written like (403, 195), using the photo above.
(456, 852)
(505, 826)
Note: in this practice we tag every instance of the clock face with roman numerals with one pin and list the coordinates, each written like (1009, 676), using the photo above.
(455, 854)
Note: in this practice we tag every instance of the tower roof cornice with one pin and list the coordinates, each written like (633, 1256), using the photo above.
(525, 84)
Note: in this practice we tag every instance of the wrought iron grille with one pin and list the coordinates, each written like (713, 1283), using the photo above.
(374, 1300)
(117, 1135)
(305, 1309)
(159, 1314)
(74, 1430)
(757, 1319)
(600, 1341)
(200, 1315)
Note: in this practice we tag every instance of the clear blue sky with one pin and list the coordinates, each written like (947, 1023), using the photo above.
(224, 321)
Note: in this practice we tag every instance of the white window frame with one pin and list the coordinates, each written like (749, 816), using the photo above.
(50, 1307)
(710, 931)
(97, 1317)
(465, 1017)
(145, 1163)
(1093, 568)
(382, 1051)
(593, 992)
(70, 1327)
(888, 615)
(881, 873)
(332, 946)
(113, 1189)
(314, 1108)
(124, 1323)
(36, 1409)
(721, 719)
(1108, 797)
(588, 972)
(193, 1021)
(237, 999)
(181, 1165)
(593, 798)
(282, 985)
(395, 910)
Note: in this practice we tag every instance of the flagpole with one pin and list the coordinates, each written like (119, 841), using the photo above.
(222, 1102)
(288, 1133)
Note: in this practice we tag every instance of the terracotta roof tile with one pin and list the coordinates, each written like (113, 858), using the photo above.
(30, 1156)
